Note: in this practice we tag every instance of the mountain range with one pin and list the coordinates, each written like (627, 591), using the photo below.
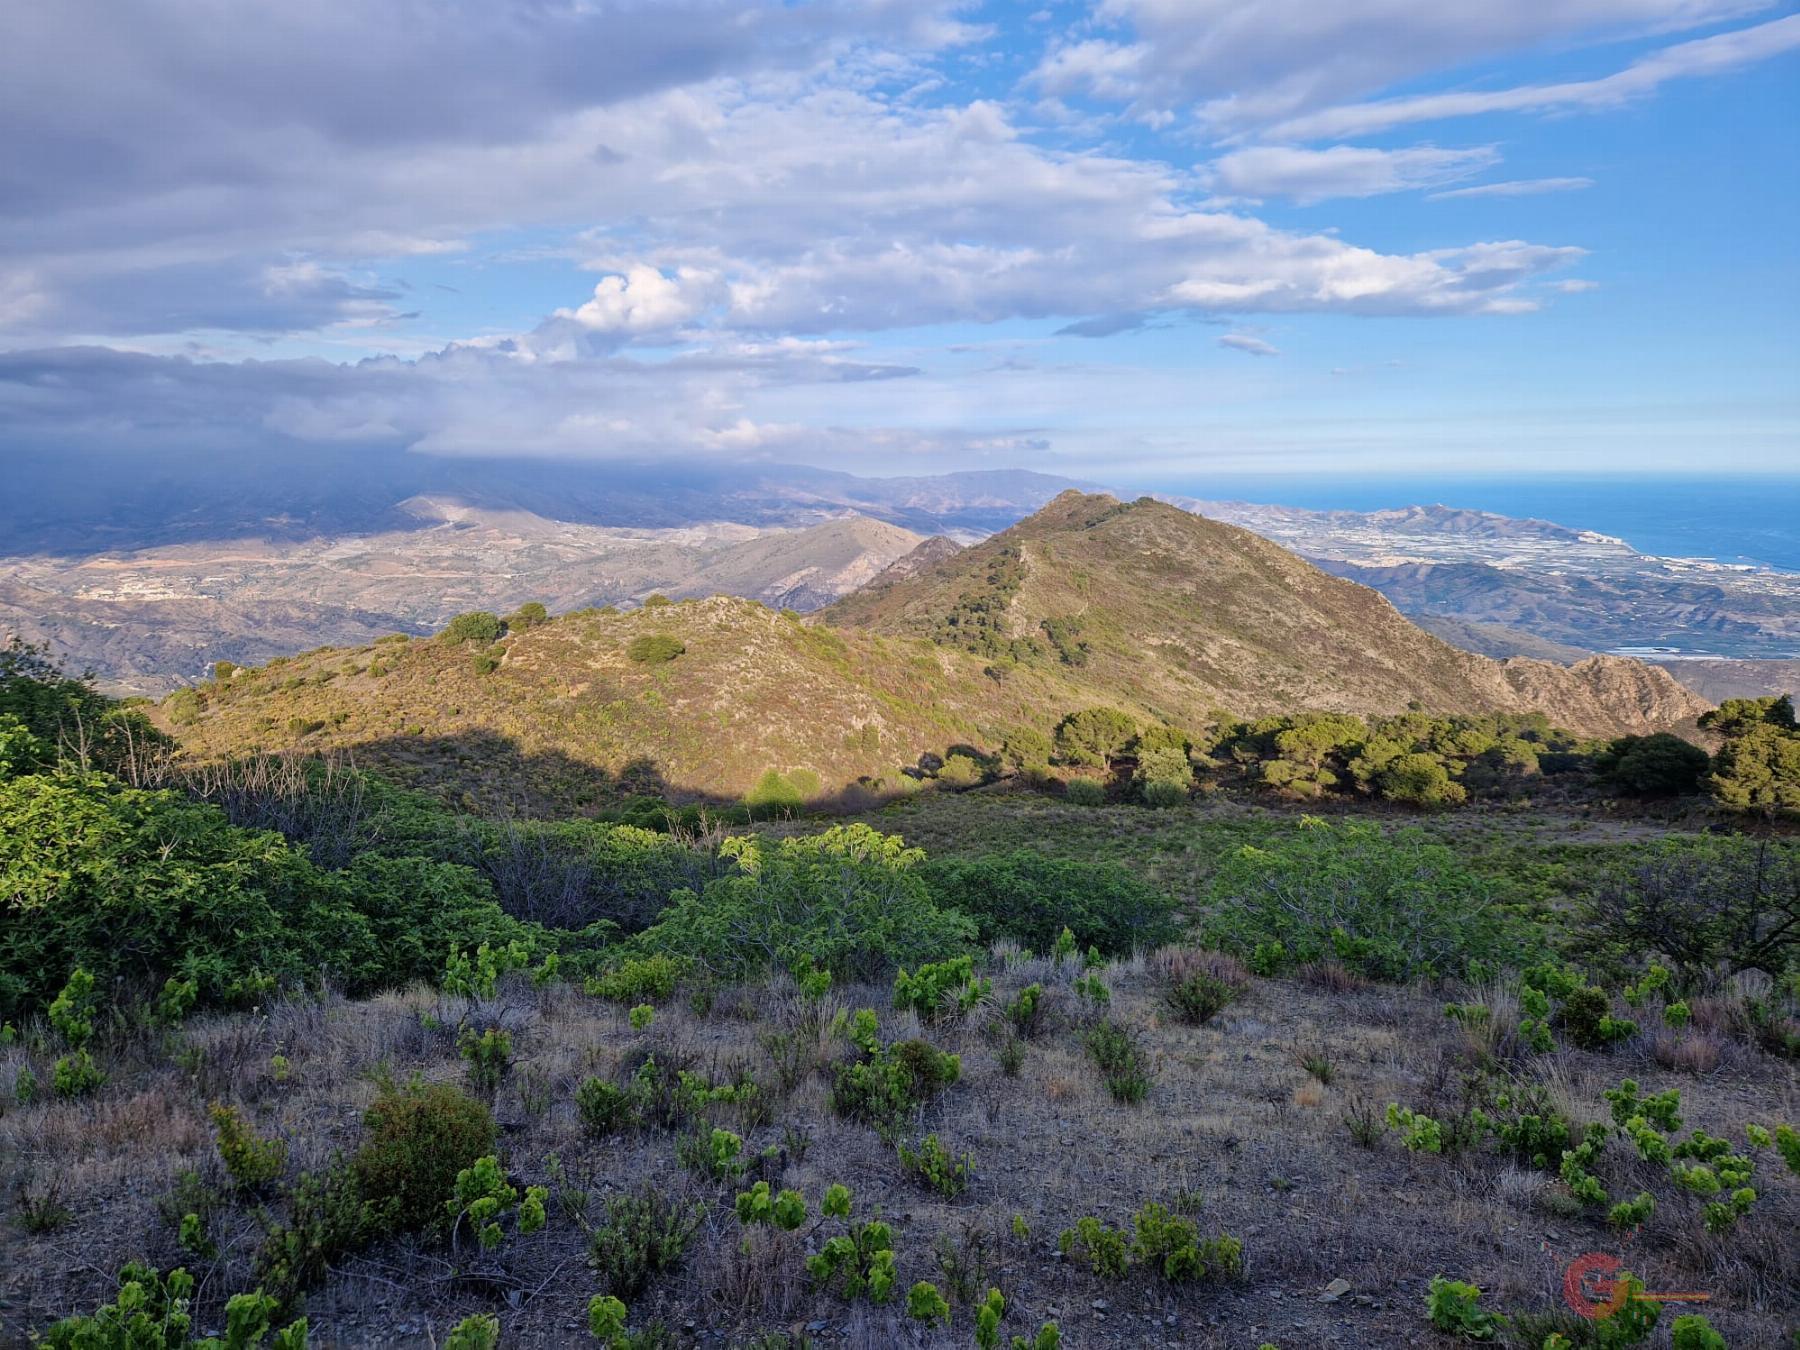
(169, 573)
(1140, 606)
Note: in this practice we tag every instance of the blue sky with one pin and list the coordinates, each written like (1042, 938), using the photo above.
(1144, 240)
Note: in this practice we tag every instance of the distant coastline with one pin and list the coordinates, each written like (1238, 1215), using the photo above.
(1732, 520)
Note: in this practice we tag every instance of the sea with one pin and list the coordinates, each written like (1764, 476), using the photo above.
(1728, 519)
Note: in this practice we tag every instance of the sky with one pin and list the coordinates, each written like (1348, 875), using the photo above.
(1143, 240)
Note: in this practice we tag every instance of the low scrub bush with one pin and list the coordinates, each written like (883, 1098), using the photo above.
(647, 979)
(483, 1197)
(328, 1219)
(1453, 1307)
(643, 1234)
(416, 1140)
(886, 1084)
(1168, 1244)
(1197, 998)
(252, 1161)
(940, 987)
(655, 649)
(1085, 792)
(151, 1312)
(936, 1167)
(1123, 1063)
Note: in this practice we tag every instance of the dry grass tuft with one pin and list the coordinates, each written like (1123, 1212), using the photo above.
(1331, 976)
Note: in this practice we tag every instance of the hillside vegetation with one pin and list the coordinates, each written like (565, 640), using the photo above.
(291, 1055)
(1166, 618)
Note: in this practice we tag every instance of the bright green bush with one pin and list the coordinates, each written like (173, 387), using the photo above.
(236, 911)
(1392, 908)
(1030, 897)
(760, 1205)
(637, 980)
(477, 1331)
(150, 1312)
(849, 899)
(483, 1197)
(926, 1303)
(1453, 1307)
(857, 1264)
(940, 987)
(937, 1167)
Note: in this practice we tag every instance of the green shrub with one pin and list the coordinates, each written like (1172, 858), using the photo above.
(1699, 904)
(1657, 765)
(644, 1233)
(940, 987)
(1173, 1246)
(526, 616)
(774, 795)
(1694, 1332)
(1029, 897)
(1101, 1249)
(1093, 735)
(937, 1167)
(1420, 780)
(603, 1107)
(253, 1162)
(477, 1331)
(1452, 1307)
(475, 626)
(1197, 997)
(417, 1139)
(482, 1197)
(926, 1303)
(1397, 908)
(887, 1083)
(716, 1154)
(849, 899)
(760, 1205)
(857, 1264)
(1124, 1065)
(1164, 776)
(1587, 1020)
(961, 771)
(1085, 792)
(235, 911)
(150, 1312)
(637, 980)
(655, 649)
(328, 1219)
